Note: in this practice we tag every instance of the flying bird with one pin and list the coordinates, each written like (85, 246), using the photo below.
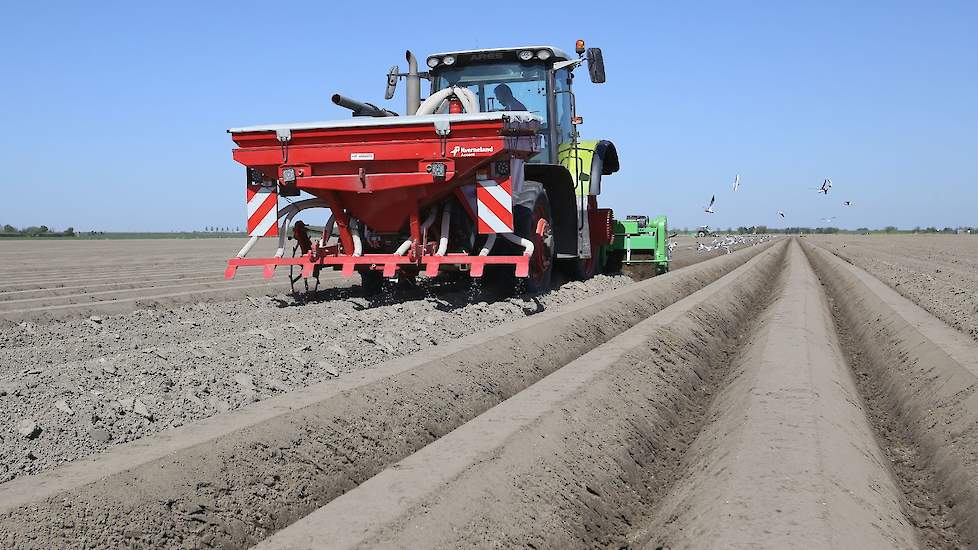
(847, 203)
(780, 213)
(826, 185)
(736, 183)
(829, 220)
(709, 209)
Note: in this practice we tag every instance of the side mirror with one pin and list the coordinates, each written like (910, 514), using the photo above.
(391, 82)
(595, 65)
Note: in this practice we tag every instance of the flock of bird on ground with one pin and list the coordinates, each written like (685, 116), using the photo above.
(725, 243)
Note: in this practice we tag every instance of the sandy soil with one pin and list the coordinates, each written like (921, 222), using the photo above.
(534, 472)
(88, 384)
(43, 280)
(923, 396)
(788, 459)
(261, 476)
(938, 272)
(61, 278)
(781, 457)
(773, 397)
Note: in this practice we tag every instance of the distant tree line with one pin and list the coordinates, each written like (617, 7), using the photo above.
(7, 230)
(35, 231)
(225, 229)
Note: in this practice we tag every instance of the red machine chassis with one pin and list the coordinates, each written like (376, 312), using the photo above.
(389, 263)
(381, 175)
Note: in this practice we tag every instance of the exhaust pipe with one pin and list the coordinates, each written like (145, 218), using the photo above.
(413, 84)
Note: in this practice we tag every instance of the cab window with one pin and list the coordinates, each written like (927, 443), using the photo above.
(526, 84)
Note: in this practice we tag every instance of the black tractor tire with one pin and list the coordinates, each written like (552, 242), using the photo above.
(615, 261)
(534, 221)
(579, 269)
(371, 282)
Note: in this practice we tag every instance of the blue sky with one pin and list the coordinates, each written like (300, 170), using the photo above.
(114, 114)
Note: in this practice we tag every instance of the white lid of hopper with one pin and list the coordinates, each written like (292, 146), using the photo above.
(366, 122)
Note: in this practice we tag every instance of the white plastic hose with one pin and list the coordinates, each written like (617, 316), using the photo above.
(468, 97)
(446, 222)
(357, 242)
(406, 245)
(327, 231)
(247, 247)
(526, 244)
(288, 213)
(470, 103)
(490, 242)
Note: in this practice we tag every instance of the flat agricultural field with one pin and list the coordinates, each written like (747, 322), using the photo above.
(64, 278)
(56, 279)
(789, 394)
(938, 272)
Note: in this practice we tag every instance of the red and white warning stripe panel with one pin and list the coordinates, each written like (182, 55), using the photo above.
(262, 211)
(490, 200)
(494, 205)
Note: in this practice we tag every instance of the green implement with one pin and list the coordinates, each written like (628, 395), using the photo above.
(637, 241)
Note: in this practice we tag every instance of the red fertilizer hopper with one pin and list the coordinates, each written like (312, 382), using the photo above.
(477, 176)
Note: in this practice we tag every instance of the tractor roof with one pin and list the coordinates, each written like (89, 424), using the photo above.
(558, 54)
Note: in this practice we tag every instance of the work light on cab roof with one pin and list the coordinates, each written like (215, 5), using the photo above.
(488, 170)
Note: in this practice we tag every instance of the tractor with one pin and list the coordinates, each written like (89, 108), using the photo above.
(487, 176)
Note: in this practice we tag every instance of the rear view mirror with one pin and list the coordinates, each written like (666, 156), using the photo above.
(595, 65)
(391, 82)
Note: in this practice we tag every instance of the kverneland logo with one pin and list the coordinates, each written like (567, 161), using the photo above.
(459, 151)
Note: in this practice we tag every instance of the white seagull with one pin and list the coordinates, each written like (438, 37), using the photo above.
(736, 183)
(780, 213)
(709, 209)
(826, 185)
(847, 203)
(829, 220)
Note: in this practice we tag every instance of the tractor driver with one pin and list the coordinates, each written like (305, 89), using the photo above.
(505, 96)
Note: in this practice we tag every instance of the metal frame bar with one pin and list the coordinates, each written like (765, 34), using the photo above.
(389, 263)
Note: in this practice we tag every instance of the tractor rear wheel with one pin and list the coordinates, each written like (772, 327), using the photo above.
(580, 269)
(616, 258)
(535, 223)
